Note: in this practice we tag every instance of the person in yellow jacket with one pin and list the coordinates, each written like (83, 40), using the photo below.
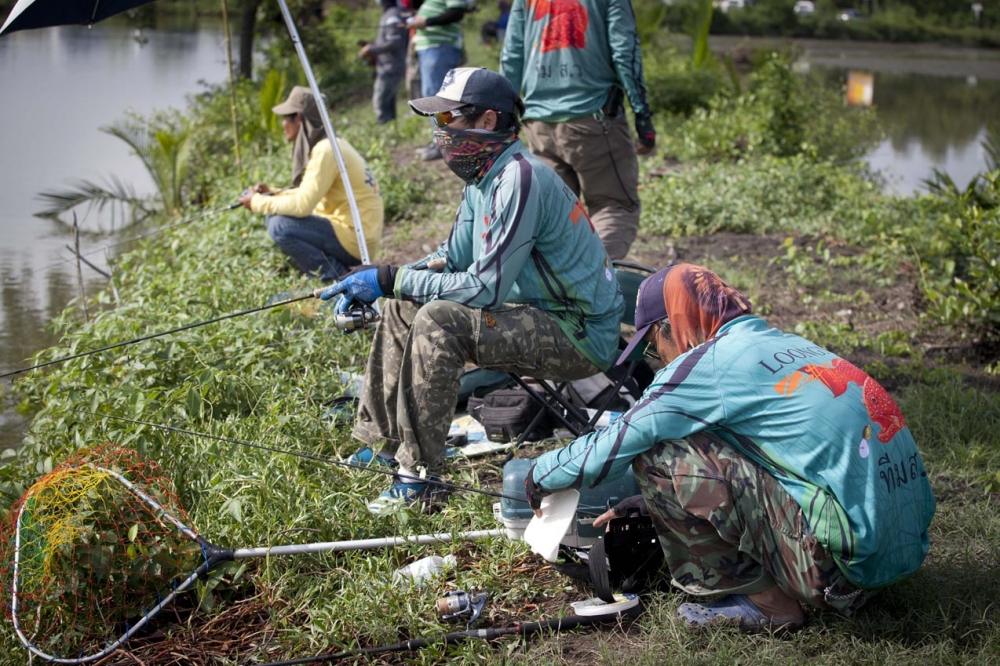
(311, 221)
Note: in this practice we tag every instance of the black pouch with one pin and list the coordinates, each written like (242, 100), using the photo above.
(614, 104)
(507, 413)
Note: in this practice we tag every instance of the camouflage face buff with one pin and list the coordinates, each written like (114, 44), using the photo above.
(470, 153)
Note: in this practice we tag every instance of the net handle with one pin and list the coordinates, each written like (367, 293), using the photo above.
(363, 544)
(213, 556)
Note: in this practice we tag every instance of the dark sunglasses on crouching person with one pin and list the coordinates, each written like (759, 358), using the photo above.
(650, 351)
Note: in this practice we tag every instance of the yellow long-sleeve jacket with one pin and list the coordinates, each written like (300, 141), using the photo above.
(321, 192)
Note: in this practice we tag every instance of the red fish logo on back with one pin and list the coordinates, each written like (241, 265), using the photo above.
(882, 409)
(567, 26)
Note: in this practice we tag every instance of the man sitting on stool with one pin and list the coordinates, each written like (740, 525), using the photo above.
(526, 287)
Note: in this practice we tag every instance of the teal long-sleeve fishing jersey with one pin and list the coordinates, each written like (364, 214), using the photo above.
(829, 433)
(565, 56)
(522, 236)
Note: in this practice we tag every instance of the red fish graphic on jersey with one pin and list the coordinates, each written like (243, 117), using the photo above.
(882, 409)
(567, 26)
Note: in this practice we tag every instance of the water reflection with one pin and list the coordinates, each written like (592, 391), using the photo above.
(59, 85)
(934, 101)
(26, 316)
(938, 113)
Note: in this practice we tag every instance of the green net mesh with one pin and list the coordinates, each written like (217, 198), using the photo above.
(93, 556)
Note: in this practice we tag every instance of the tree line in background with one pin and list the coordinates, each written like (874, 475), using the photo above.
(975, 23)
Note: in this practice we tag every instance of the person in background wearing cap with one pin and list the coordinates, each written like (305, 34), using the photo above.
(438, 43)
(570, 60)
(311, 221)
(523, 285)
(388, 55)
(776, 473)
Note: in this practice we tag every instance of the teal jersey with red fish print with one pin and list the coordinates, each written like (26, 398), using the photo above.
(522, 236)
(831, 435)
(564, 56)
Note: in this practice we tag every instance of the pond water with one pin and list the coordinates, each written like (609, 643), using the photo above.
(934, 102)
(59, 86)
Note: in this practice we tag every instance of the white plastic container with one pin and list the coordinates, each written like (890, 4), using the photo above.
(419, 572)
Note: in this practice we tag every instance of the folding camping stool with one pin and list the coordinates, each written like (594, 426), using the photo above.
(551, 399)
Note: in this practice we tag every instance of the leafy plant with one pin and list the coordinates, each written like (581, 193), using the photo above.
(272, 90)
(780, 113)
(162, 145)
(699, 51)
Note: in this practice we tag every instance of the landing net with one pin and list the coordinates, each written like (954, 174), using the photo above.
(91, 555)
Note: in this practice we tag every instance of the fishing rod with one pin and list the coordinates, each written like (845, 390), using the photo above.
(376, 469)
(557, 624)
(151, 336)
(358, 317)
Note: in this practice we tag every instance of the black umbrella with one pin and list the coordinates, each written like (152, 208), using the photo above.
(29, 14)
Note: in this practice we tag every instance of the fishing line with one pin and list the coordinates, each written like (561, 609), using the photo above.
(151, 336)
(323, 459)
(310, 456)
(146, 234)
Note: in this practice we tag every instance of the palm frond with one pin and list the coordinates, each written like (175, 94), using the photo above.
(941, 184)
(272, 89)
(170, 151)
(114, 195)
(991, 146)
(135, 136)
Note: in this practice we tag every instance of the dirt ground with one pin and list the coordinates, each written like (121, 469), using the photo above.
(849, 298)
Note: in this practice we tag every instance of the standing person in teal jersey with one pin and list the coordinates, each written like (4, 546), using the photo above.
(573, 61)
(438, 43)
(776, 473)
(522, 284)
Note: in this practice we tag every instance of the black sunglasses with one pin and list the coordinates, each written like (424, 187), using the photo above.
(650, 350)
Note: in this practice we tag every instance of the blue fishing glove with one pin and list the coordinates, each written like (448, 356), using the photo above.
(364, 284)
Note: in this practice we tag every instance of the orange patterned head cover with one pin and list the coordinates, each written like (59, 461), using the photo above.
(698, 303)
(695, 300)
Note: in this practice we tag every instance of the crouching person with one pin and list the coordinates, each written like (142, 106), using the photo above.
(777, 474)
(523, 285)
(311, 221)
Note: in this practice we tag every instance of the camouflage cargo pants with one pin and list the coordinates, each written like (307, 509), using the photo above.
(727, 526)
(417, 358)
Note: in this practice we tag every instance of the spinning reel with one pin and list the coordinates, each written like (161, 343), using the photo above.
(357, 318)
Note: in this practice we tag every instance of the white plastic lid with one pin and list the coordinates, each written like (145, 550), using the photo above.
(595, 606)
(558, 511)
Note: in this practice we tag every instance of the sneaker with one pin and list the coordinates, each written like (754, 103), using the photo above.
(399, 495)
(367, 456)
(734, 609)
(429, 153)
(341, 410)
